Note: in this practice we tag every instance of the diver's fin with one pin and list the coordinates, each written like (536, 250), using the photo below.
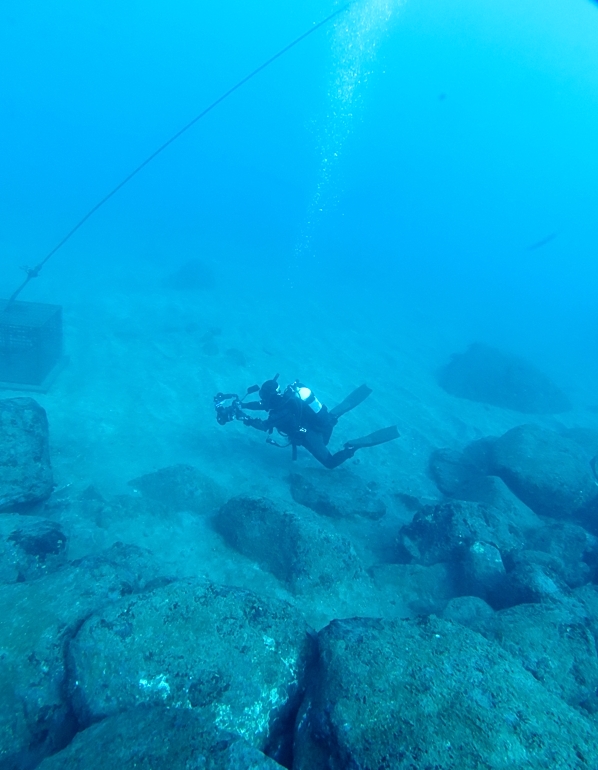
(352, 400)
(375, 438)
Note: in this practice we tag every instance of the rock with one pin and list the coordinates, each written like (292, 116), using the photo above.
(556, 643)
(431, 694)
(38, 620)
(337, 495)
(549, 473)
(534, 577)
(158, 738)
(474, 540)
(483, 572)
(30, 547)
(237, 657)
(296, 547)
(423, 590)
(459, 474)
(587, 438)
(487, 375)
(25, 470)
(472, 612)
(574, 549)
(444, 532)
(180, 488)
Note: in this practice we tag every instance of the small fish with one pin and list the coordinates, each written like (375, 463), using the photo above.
(543, 242)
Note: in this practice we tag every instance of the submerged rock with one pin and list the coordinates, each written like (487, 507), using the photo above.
(488, 375)
(30, 547)
(294, 545)
(337, 495)
(39, 618)
(180, 488)
(431, 694)
(548, 472)
(473, 612)
(158, 738)
(556, 643)
(237, 657)
(444, 532)
(25, 470)
(422, 590)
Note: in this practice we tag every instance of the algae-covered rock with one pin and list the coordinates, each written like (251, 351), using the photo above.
(575, 550)
(548, 472)
(473, 612)
(443, 532)
(25, 470)
(422, 590)
(237, 657)
(337, 495)
(461, 474)
(30, 547)
(180, 488)
(296, 546)
(37, 621)
(556, 643)
(158, 738)
(431, 694)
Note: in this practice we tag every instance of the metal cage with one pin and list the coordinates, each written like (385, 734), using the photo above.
(30, 344)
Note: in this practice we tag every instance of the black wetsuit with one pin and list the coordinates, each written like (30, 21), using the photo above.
(291, 417)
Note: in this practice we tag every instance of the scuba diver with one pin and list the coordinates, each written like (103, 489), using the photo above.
(298, 415)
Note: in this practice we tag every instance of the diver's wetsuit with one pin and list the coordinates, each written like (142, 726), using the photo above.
(291, 417)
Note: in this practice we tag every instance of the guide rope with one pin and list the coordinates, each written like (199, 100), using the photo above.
(33, 272)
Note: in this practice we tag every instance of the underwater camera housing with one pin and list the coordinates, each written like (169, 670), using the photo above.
(229, 406)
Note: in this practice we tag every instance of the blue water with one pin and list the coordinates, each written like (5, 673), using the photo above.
(411, 178)
(473, 138)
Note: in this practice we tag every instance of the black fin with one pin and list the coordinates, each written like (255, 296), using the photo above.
(375, 438)
(352, 400)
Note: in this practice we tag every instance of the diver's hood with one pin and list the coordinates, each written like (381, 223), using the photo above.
(269, 388)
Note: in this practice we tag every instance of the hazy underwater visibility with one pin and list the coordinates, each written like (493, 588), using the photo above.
(299, 385)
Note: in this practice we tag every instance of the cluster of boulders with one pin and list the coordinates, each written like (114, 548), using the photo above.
(111, 661)
(518, 523)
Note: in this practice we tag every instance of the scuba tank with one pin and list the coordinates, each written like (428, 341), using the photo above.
(306, 396)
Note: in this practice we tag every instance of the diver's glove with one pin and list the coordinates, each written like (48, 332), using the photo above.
(255, 422)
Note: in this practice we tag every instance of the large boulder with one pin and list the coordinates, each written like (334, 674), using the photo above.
(473, 539)
(37, 621)
(158, 738)
(575, 550)
(431, 694)
(180, 488)
(534, 577)
(297, 547)
(30, 547)
(458, 476)
(337, 495)
(486, 374)
(462, 473)
(556, 643)
(444, 532)
(420, 589)
(237, 657)
(473, 612)
(548, 472)
(25, 470)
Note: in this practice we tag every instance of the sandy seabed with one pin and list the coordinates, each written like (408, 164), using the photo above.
(137, 395)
